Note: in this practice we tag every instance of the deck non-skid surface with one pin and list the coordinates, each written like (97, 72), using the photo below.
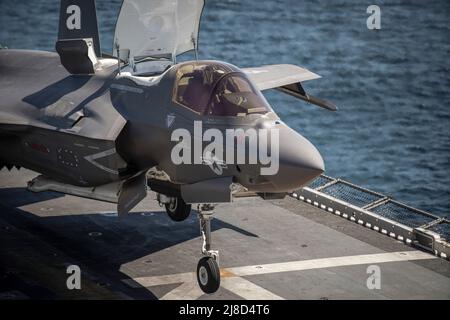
(282, 249)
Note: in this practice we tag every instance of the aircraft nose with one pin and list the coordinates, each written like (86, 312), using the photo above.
(299, 161)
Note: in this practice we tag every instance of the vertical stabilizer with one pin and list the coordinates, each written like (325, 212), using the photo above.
(78, 20)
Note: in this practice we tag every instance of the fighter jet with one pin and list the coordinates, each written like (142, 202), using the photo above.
(112, 126)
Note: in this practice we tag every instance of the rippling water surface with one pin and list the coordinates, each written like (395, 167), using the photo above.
(392, 130)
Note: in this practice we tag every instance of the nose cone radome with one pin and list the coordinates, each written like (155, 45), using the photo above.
(299, 161)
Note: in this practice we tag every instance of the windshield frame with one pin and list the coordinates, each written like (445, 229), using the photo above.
(243, 76)
(176, 85)
(214, 86)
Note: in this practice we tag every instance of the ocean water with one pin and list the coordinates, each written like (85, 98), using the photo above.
(392, 131)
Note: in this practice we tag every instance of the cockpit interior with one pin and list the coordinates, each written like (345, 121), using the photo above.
(215, 89)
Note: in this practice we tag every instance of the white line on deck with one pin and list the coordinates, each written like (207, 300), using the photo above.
(187, 291)
(232, 281)
(246, 289)
(329, 262)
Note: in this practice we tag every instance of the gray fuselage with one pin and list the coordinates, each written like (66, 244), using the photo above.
(90, 130)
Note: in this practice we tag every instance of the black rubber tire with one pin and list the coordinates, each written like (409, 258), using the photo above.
(178, 212)
(212, 283)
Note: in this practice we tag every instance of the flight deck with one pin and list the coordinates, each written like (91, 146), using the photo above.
(314, 244)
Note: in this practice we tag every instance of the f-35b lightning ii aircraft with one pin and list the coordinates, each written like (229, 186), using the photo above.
(108, 127)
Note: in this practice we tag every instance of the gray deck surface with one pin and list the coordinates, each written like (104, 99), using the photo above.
(42, 233)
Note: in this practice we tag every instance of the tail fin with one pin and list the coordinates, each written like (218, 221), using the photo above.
(78, 20)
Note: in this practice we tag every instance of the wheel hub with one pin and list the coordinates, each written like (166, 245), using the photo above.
(203, 275)
(173, 204)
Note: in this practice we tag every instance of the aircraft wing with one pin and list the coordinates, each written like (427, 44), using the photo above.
(286, 78)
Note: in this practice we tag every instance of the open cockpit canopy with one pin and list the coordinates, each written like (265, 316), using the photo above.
(157, 28)
(217, 89)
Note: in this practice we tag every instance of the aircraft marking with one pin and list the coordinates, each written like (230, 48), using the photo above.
(170, 119)
(232, 277)
(214, 163)
(91, 158)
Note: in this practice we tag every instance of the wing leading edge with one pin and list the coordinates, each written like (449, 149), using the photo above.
(286, 78)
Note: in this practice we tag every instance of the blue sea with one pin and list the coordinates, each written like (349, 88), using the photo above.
(392, 86)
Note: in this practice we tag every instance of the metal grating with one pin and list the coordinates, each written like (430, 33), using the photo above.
(403, 214)
(351, 194)
(443, 229)
(401, 220)
(320, 181)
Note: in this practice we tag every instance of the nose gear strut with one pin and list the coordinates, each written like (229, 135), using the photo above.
(208, 272)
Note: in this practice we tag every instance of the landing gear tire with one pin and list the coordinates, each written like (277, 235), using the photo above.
(177, 209)
(208, 272)
(208, 275)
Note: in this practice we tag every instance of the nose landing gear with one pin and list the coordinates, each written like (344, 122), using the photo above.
(208, 272)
